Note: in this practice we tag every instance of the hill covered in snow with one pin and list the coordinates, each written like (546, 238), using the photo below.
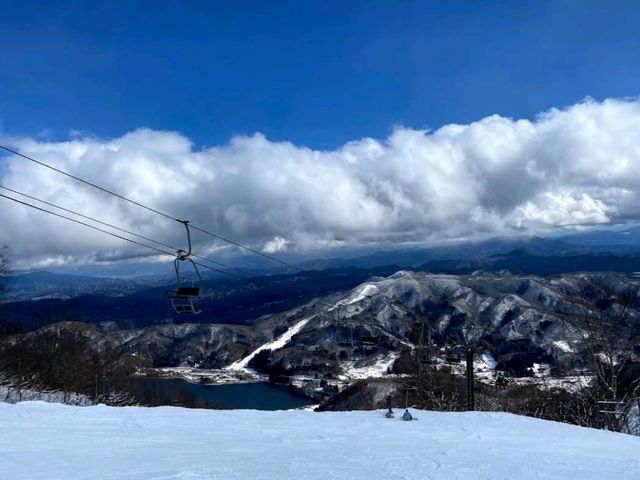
(518, 325)
(40, 440)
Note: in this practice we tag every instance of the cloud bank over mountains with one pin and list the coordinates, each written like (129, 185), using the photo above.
(578, 166)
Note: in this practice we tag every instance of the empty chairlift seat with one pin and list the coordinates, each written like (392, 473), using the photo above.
(187, 292)
(184, 299)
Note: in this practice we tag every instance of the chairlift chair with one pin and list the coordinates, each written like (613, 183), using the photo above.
(452, 355)
(184, 299)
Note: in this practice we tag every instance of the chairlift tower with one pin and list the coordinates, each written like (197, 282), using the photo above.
(470, 395)
(614, 409)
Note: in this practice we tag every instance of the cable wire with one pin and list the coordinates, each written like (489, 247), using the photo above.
(115, 234)
(215, 235)
(166, 215)
(87, 217)
(86, 225)
(62, 172)
(119, 228)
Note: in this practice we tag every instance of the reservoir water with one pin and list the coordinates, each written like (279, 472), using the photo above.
(179, 392)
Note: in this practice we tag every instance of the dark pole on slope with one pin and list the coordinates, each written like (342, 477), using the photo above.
(470, 398)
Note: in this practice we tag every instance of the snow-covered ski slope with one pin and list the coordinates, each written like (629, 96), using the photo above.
(51, 441)
(279, 342)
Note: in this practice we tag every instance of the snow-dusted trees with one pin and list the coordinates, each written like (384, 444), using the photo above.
(424, 385)
(64, 358)
(607, 326)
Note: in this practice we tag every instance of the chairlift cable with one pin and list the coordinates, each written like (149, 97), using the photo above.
(62, 172)
(116, 227)
(153, 210)
(86, 217)
(221, 265)
(86, 225)
(222, 271)
(257, 252)
(115, 235)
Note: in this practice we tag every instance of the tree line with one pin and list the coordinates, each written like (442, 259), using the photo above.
(604, 327)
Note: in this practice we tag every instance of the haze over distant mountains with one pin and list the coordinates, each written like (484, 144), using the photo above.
(138, 300)
(616, 241)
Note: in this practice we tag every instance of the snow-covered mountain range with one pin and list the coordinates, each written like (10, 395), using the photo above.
(516, 320)
(516, 324)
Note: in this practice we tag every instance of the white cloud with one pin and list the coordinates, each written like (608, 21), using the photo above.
(578, 166)
(276, 244)
(560, 210)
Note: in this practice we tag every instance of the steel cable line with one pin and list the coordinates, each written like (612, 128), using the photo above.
(166, 215)
(118, 228)
(86, 217)
(62, 172)
(116, 235)
(205, 259)
(257, 252)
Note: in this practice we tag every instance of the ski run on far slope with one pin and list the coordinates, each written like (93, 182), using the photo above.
(279, 342)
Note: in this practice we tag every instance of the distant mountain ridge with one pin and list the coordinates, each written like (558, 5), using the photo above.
(138, 303)
(596, 242)
(57, 285)
(618, 241)
(37, 298)
(232, 301)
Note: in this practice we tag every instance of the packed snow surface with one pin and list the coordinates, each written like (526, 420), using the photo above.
(51, 441)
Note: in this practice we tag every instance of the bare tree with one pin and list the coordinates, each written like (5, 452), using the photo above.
(426, 385)
(608, 327)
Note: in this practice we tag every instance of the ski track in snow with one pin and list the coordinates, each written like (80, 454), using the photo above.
(279, 342)
(56, 442)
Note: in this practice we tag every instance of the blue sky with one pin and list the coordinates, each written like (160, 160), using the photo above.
(343, 95)
(315, 73)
